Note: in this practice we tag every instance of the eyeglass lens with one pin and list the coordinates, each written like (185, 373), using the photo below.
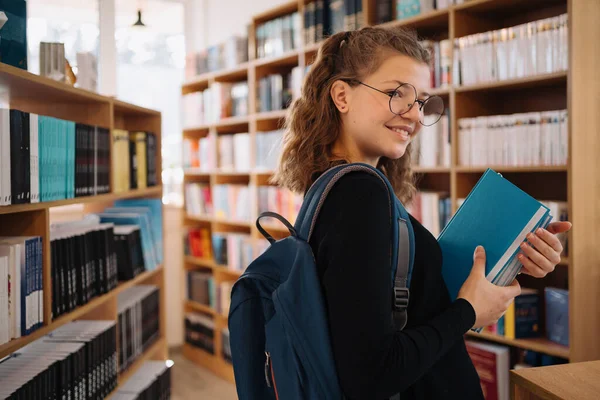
(406, 95)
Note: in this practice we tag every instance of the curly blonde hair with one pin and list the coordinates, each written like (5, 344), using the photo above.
(313, 123)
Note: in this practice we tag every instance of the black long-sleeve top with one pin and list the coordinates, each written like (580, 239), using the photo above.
(427, 359)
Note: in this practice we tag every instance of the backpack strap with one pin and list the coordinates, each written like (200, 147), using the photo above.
(401, 291)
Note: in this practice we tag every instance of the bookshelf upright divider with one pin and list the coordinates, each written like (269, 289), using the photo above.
(34, 94)
(572, 90)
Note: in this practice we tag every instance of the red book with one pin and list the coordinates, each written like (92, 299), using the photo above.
(492, 363)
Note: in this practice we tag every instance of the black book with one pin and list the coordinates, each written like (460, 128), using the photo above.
(20, 181)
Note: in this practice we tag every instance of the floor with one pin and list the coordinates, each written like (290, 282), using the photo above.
(192, 382)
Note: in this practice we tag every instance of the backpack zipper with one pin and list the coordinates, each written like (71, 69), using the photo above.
(270, 375)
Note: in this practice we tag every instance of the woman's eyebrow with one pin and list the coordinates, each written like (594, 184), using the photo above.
(422, 94)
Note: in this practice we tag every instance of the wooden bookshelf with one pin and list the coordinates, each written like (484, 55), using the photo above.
(40, 95)
(574, 90)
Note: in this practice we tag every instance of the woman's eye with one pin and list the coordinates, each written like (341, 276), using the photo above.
(395, 94)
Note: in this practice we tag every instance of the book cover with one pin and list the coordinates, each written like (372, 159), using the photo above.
(492, 365)
(496, 215)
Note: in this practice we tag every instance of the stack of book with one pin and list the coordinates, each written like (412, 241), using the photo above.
(533, 48)
(279, 200)
(134, 160)
(52, 61)
(268, 149)
(21, 286)
(75, 361)
(225, 55)
(498, 216)
(278, 36)
(198, 154)
(534, 138)
(232, 249)
(323, 18)
(431, 147)
(231, 202)
(234, 152)
(197, 242)
(200, 287)
(84, 263)
(46, 159)
(198, 200)
(138, 322)
(275, 92)
(431, 209)
(200, 331)
(151, 381)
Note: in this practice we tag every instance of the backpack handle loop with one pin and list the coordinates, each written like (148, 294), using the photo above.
(277, 217)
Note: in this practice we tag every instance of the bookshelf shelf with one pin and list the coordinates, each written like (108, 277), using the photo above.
(199, 218)
(202, 262)
(540, 345)
(192, 305)
(232, 125)
(98, 302)
(197, 132)
(288, 59)
(558, 78)
(236, 74)
(148, 192)
(432, 21)
(36, 94)
(574, 90)
(503, 168)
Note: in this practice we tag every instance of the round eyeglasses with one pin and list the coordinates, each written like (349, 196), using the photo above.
(404, 97)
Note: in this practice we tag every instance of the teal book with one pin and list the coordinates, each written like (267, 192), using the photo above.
(497, 215)
(155, 206)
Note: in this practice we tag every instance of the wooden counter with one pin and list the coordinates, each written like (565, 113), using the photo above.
(572, 381)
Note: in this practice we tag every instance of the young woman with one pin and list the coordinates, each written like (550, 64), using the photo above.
(364, 99)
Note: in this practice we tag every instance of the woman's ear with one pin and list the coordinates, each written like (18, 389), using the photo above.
(340, 94)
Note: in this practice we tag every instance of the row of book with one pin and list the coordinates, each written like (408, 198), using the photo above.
(203, 289)
(91, 255)
(533, 48)
(222, 56)
(200, 331)
(275, 91)
(412, 8)
(138, 310)
(278, 35)
(197, 243)
(75, 361)
(198, 199)
(493, 363)
(440, 64)
(235, 250)
(21, 286)
(279, 200)
(432, 209)
(534, 138)
(220, 100)
(432, 147)
(526, 319)
(45, 158)
(225, 339)
(234, 152)
(323, 18)
(232, 202)
(151, 381)
(134, 160)
(199, 154)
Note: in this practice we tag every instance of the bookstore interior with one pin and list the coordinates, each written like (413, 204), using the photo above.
(138, 140)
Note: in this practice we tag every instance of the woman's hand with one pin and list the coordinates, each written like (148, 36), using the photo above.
(541, 255)
(489, 301)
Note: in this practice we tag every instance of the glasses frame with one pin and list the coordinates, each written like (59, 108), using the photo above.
(391, 96)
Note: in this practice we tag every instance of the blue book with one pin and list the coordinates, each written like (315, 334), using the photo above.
(496, 215)
(155, 206)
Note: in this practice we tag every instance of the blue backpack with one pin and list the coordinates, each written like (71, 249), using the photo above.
(279, 334)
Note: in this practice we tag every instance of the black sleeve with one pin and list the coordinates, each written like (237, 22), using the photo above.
(352, 235)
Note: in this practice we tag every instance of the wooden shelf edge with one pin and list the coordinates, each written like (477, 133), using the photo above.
(432, 15)
(289, 56)
(540, 345)
(213, 363)
(200, 307)
(120, 105)
(132, 369)
(530, 81)
(152, 191)
(270, 115)
(502, 168)
(16, 344)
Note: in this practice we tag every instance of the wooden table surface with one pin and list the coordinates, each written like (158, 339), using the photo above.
(572, 381)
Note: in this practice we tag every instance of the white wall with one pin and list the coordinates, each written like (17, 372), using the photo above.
(209, 22)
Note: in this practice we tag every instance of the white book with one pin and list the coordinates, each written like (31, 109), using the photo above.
(4, 301)
(5, 189)
(33, 155)
(14, 278)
